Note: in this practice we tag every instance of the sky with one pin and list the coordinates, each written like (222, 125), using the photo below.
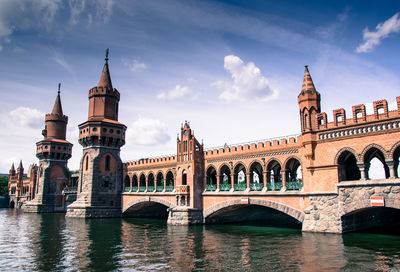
(233, 69)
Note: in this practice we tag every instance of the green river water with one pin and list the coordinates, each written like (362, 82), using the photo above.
(51, 242)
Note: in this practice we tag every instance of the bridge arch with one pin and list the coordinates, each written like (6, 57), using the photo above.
(296, 214)
(365, 203)
(144, 200)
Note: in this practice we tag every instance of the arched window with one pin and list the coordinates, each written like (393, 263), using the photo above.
(375, 164)
(347, 167)
(256, 178)
(294, 179)
(107, 163)
(211, 179)
(87, 163)
(184, 178)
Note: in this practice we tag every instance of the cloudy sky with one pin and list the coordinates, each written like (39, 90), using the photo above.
(231, 68)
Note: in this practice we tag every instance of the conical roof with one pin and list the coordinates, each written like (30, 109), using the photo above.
(12, 168)
(20, 165)
(105, 78)
(308, 84)
(57, 108)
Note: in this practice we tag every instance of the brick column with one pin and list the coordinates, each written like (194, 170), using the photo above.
(361, 166)
(247, 181)
(265, 180)
(232, 182)
(130, 183)
(147, 184)
(283, 173)
(205, 182)
(165, 184)
(218, 178)
(392, 172)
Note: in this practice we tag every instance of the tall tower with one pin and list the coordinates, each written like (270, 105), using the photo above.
(100, 174)
(20, 179)
(309, 103)
(189, 179)
(53, 153)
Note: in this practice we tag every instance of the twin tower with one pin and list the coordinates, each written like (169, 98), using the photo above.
(100, 175)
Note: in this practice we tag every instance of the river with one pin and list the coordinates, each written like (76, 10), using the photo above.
(51, 242)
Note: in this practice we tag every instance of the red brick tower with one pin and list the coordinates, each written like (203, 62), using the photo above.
(20, 179)
(309, 104)
(189, 182)
(53, 152)
(100, 175)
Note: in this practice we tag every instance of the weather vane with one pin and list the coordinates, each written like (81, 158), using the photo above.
(59, 87)
(107, 51)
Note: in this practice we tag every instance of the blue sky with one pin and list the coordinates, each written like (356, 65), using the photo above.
(232, 68)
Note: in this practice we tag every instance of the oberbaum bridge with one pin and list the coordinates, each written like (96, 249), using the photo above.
(317, 181)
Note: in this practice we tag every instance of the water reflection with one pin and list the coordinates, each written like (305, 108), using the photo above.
(51, 242)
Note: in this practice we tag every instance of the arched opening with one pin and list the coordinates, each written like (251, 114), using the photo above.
(184, 178)
(211, 179)
(107, 163)
(255, 215)
(240, 178)
(142, 183)
(375, 165)
(294, 177)
(160, 182)
(150, 183)
(135, 184)
(170, 182)
(127, 184)
(256, 177)
(147, 209)
(375, 220)
(12, 204)
(396, 164)
(86, 162)
(274, 178)
(225, 178)
(347, 167)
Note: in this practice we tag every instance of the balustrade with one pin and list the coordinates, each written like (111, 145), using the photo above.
(225, 187)
(256, 186)
(240, 187)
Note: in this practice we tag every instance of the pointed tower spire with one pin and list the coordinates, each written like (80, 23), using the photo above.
(57, 108)
(20, 165)
(12, 168)
(105, 78)
(308, 84)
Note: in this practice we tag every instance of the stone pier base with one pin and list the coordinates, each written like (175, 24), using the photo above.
(185, 216)
(93, 212)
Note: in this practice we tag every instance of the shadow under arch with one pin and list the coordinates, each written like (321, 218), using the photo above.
(361, 216)
(258, 211)
(148, 208)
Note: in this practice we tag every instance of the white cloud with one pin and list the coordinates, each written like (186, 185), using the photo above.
(98, 11)
(27, 117)
(135, 65)
(177, 93)
(248, 83)
(383, 30)
(147, 131)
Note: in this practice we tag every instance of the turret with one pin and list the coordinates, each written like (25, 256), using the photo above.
(54, 144)
(11, 173)
(309, 104)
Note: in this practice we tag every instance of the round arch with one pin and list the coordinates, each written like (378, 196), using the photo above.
(371, 146)
(344, 149)
(296, 214)
(144, 200)
(365, 203)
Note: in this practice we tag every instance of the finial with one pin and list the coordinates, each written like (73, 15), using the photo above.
(107, 51)
(59, 87)
(306, 66)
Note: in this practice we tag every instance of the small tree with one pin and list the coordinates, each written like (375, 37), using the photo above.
(3, 186)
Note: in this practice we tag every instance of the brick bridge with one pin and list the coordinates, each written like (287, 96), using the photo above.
(319, 180)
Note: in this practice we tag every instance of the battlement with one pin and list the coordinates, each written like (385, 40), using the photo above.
(104, 91)
(257, 146)
(56, 117)
(359, 115)
(158, 161)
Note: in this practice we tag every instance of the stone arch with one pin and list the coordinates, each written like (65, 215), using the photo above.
(371, 152)
(349, 149)
(85, 162)
(222, 165)
(242, 163)
(393, 150)
(273, 159)
(296, 214)
(289, 158)
(256, 167)
(365, 203)
(369, 147)
(258, 161)
(142, 200)
(213, 166)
